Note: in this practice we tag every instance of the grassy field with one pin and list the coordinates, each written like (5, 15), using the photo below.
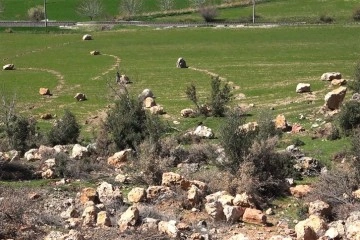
(308, 11)
(263, 65)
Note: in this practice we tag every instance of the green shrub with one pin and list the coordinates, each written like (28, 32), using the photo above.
(324, 18)
(208, 13)
(16, 171)
(36, 13)
(236, 141)
(266, 126)
(356, 13)
(355, 84)
(219, 97)
(349, 117)
(66, 130)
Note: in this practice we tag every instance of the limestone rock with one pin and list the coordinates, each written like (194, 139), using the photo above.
(137, 195)
(87, 37)
(89, 216)
(149, 102)
(338, 82)
(119, 158)
(181, 63)
(9, 67)
(203, 132)
(255, 216)
(89, 194)
(215, 210)
(311, 228)
(300, 191)
(233, 213)
(334, 98)
(109, 194)
(188, 112)
(328, 76)
(244, 200)
(48, 174)
(145, 94)
(303, 87)
(95, 52)
(169, 228)
(170, 178)
(319, 208)
(44, 91)
(103, 219)
(129, 218)
(79, 151)
(80, 97)
(153, 192)
(281, 123)
(157, 110)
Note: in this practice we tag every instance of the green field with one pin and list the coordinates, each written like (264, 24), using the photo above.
(263, 65)
(308, 11)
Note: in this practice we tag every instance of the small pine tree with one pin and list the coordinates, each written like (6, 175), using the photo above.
(219, 97)
(65, 131)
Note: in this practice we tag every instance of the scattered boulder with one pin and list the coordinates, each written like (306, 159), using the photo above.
(303, 88)
(297, 128)
(44, 91)
(129, 218)
(48, 174)
(80, 97)
(137, 195)
(281, 123)
(109, 194)
(300, 191)
(149, 102)
(95, 52)
(334, 98)
(203, 132)
(215, 210)
(307, 166)
(170, 179)
(157, 110)
(194, 195)
(250, 126)
(356, 194)
(145, 94)
(124, 79)
(46, 116)
(188, 112)
(32, 155)
(153, 192)
(89, 194)
(319, 208)
(119, 158)
(103, 219)
(328, 76)
(338, 82)
(244, 200)
(255, 216)
(181, 63)
(89, 216)
(79, 151)
(311, 228)
(9, 67)
(233, 213)
(169, 228)
(87, 37)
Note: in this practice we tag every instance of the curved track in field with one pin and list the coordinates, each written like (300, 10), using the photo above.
(112, 68)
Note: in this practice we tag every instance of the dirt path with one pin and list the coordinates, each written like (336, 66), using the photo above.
(57, 74)
(112, 68)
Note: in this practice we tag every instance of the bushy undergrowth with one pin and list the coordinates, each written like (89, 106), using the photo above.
(65, 131)
(15, 171)
(349, 117)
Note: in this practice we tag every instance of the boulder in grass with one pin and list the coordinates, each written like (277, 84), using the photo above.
(87, 37)
(9, 67)
(328, 76)
(44, 91)
(334, 98)
(95, 52)
(80, 97)
(303, 87)
(181, 63)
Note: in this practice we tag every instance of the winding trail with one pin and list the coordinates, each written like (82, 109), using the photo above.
(112, 68)
(57, 74)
